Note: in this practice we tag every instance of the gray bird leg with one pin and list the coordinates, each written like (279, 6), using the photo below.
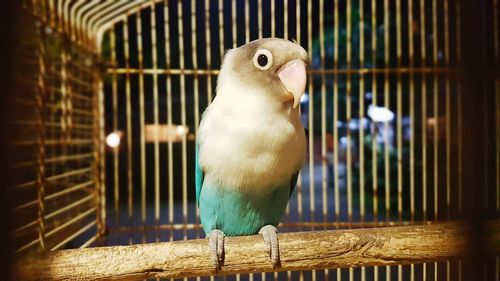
(216, 246)
(270, 234)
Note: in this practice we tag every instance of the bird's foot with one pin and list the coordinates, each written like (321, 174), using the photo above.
(270, 234)
(216, 246)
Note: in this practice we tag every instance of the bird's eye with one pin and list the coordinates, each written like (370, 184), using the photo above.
(263, 59)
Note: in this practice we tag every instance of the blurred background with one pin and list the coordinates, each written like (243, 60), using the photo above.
(104, 99)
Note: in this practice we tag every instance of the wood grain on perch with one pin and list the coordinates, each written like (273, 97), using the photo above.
(299, 251)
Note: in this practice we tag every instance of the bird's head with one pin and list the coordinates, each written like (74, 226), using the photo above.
(276, 67)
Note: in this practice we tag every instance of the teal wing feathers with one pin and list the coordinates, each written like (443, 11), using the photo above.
(199, 174)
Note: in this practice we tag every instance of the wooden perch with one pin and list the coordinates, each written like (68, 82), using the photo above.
(245, 254)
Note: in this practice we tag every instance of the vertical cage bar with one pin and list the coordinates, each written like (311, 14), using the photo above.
(247, 21)
(299, 179)
(436, 116)
(399, 117)
(312, 207)
(209, 51)
(170, 151)
(156, 117)
(129, 119)
(285, 19)
(312, 199)
(412, 141)
(348, 112)
(335, 111)
(348, 119)
(323, 114)
(273, 18)
(116, 151)
(435, 107)
(68, 100)
(259, 17)
(424, 111)
(40, 129)
(374, 125)
(411, 52)
(196, 84)
(142, 140)
(297, 17)
(423, 121)
(448, 125)
(412, 115)
(387, 181)
(361, 113)
(361, 119)
(102, 155)
(64, 88)
(448, 109)
(221, 29)
(183, 114)
(96, 145)
(233, 25)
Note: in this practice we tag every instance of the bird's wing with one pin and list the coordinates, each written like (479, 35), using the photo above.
(199, 174)
(293, 182)
(293, 179)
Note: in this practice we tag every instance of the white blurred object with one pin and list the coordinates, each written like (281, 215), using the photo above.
(343, 141)
(353, 124)
(380, 114)
(113, 140)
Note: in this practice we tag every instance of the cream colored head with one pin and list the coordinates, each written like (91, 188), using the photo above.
(272, 66)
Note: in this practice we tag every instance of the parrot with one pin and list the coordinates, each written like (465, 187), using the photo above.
(251, 144)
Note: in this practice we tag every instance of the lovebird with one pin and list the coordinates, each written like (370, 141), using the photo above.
(251, 143)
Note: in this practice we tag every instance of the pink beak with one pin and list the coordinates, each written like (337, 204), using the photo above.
(293, 76)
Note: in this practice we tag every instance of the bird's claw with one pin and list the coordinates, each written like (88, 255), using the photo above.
(216, 246)
(270, 234)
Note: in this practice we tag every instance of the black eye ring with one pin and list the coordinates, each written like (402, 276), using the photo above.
(263, 59)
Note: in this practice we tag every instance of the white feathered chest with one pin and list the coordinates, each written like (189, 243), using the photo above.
(248, 145)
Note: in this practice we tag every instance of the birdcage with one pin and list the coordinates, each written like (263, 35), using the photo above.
(113, 92)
